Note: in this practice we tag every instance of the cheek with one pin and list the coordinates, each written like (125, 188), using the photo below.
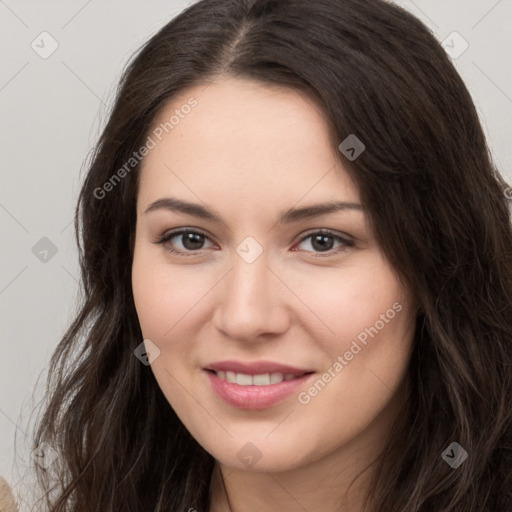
(349, 302)
(171, 305)
(366, 332)
(369, 353)
(165, 296)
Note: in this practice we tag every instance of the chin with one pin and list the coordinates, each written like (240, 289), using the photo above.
(262, 456)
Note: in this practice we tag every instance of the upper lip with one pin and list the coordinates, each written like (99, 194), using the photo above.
(256, 368)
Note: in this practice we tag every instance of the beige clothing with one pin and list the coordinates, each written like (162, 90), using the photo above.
(7, 503)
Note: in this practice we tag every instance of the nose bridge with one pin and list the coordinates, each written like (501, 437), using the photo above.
(248, 285)
(249, 279)
(249, 275)
(248, 302)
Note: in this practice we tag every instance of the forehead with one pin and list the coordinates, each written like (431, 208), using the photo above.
(247, 138)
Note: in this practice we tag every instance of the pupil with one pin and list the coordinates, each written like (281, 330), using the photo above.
(193, 241)
(321, 241)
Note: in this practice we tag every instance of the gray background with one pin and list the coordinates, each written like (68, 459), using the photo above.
(52, 110)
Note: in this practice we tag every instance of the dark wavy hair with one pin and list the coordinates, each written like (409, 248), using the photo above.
(437, 205)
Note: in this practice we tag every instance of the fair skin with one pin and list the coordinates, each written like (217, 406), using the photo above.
(248, 151)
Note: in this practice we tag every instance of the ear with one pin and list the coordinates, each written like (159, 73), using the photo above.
(7, 503)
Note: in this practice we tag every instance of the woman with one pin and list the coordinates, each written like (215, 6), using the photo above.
(296, 258)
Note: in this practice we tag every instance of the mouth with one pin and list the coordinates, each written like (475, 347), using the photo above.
(261, 379)
(255, 385)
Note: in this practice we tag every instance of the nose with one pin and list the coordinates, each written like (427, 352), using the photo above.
(251, 301)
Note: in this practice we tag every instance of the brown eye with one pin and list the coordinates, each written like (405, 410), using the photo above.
(323, 242)
(191, 241)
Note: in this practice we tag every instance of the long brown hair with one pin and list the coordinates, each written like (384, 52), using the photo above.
(438, 208)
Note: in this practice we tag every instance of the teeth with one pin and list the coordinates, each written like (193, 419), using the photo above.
(264, 379)
(276, 378)
(243, 380)
(261, 380)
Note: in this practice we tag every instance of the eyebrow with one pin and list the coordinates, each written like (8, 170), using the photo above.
(286, 216)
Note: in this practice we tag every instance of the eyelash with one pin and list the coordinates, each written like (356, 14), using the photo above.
(168, 236)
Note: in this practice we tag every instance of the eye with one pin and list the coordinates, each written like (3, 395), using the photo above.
(322, 240)
(191, 241)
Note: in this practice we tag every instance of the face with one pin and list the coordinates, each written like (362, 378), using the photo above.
(234, 279)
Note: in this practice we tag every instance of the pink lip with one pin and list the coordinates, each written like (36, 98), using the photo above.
(255, 397)
(256, 368)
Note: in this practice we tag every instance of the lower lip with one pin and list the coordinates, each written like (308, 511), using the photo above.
(255, 397)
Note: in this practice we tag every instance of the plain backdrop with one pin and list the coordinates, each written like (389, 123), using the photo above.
(52, 111)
